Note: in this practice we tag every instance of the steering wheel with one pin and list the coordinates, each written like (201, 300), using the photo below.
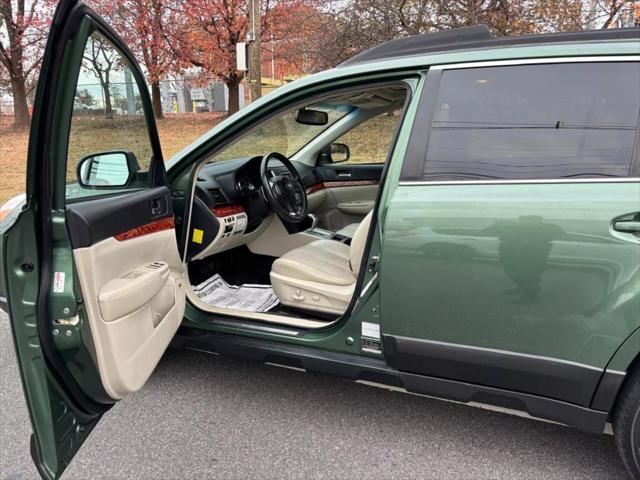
(285, 193)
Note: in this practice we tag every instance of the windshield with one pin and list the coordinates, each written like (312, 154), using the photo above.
(282, 133)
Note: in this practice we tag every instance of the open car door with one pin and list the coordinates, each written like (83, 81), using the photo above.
(91, 269)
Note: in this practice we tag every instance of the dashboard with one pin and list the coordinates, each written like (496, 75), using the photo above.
(229, 204)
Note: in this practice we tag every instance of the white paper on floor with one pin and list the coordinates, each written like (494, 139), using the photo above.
(250, 297)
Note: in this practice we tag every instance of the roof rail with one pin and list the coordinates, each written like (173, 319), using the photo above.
(477, 36)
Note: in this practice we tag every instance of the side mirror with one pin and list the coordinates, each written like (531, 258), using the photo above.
(340, 153)
(312, 117)
(107, 169)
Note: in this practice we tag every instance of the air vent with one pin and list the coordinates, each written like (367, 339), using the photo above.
(217, 196)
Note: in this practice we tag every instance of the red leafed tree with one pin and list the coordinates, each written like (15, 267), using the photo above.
(143, 24)
(205, 34)
(23, 31)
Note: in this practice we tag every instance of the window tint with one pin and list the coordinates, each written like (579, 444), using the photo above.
(107, 113)
(535, 122)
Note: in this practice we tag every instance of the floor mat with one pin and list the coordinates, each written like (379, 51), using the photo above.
(249, 297)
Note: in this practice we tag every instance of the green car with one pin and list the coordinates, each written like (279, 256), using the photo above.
(453, 214)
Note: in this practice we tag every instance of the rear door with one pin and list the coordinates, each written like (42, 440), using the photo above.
(511, 255)
(94, 281)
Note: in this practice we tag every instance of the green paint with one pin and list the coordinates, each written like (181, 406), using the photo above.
(525, 268)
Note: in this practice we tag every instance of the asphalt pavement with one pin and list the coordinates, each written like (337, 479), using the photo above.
(206, 416)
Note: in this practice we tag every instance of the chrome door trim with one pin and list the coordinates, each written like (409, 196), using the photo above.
(411, 183)
(534, 61)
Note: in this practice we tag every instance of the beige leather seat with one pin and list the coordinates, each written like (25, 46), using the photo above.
(349, 230)
(321, 275)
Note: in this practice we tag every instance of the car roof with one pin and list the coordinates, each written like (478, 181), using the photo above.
(478, 37)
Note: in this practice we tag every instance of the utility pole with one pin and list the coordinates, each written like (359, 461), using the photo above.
(255, 59)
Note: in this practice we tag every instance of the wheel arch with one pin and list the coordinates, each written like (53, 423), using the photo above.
(625, 360)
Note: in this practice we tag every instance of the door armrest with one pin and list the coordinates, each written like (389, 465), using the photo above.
(122, 296)
(357, 207)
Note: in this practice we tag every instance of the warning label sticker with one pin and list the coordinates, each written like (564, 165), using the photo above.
(197, 235)
(370, 341)
(58, 282)
(371, 330)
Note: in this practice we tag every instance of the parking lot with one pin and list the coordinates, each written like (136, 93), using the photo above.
(205, 416)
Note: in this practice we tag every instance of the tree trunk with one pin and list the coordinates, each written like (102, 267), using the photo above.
(108, 110)
(234, 97)
(156, 100)
(21, 117)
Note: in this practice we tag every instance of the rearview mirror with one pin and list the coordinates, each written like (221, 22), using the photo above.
(107, 169)
(312, 117)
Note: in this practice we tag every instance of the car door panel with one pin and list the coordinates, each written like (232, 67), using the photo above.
(97, 219)
(344, 172)
(548, 291)
(131, 278)
(346, 193)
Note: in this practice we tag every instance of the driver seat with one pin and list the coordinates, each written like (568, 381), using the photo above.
(321, 276)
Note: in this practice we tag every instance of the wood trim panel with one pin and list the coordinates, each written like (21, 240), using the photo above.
(344, 183)
(350, 183)
(227, 210)
(153, 227)
(315, 188)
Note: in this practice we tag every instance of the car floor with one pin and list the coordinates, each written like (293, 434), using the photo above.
(240, 266)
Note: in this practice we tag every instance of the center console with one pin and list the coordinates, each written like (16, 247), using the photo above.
(321, 233)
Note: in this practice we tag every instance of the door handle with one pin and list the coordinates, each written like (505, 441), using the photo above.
(627, 226)
(158, 206)
(344, 173)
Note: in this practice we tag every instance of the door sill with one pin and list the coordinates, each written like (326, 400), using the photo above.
(273, 318)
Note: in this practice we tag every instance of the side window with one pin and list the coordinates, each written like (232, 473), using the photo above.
(108, 131)
(535, 122)
(371, 140)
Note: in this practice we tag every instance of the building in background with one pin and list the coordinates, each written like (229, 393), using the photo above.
(189, 94)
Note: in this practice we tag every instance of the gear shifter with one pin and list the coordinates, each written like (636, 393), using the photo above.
(319, 232)
(314, 221)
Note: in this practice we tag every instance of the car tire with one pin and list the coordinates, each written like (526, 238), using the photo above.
(626, 424)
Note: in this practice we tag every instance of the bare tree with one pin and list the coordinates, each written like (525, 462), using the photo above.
(360, 24)
(608, 11)
(102, 57)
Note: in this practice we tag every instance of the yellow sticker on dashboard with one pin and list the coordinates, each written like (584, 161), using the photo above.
(197, 235)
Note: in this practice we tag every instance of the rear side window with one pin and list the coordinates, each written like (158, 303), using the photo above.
(535, 122)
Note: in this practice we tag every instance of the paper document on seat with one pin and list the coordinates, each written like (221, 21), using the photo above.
(249, 297)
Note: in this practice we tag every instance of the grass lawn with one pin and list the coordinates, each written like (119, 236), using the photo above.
(176, 132)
